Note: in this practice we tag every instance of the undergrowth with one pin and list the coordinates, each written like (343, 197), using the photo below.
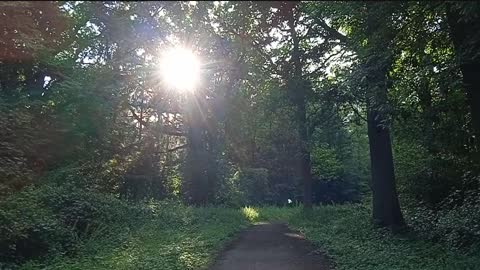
(175, 237)
(91, 231)
(345, 233)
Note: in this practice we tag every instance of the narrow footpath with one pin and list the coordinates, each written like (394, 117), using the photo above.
(271, 247)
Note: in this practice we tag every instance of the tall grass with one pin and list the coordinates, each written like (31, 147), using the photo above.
(346, 234)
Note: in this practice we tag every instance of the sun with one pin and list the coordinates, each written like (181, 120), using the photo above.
(180, 69)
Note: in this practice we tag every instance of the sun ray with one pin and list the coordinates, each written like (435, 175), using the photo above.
(180, 69)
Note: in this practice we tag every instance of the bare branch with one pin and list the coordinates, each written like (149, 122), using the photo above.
(174, 149)
(333, 32)
(138, 118)
(257, 48)
(324, 63)
(356, 112)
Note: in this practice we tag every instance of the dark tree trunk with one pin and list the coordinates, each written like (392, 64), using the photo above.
(305, 160)
(378, 59)
(464, 35)
(196, 176)
(298, 94)
(471, 81)
(386, 208)
(428, 116)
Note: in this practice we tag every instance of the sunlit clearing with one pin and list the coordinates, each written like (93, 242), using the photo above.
(180, 69)
(250, 213)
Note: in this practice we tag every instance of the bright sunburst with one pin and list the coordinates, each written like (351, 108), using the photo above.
(180, 68)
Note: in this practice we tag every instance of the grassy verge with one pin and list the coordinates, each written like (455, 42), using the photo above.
(177, 238)
(347, 235)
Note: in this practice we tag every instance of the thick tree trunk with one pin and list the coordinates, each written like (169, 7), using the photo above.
(196, 175)
(378, 59)
(386, 208)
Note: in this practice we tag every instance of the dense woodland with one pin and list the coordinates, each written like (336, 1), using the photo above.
(299, 103)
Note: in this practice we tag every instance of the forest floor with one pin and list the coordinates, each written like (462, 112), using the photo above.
(178, 237)
(270, 246)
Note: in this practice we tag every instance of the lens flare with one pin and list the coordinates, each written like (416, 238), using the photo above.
(180, 69)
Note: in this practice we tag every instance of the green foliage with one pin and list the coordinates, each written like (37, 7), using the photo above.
(253, 184)
(52, 219)
(343, 188)
(326, 163)
(454, 224)
(249, 186)
(174, 237)
(15, 172)
(29, 230)
(347, 235)
(82, 108)
(250, 213)
(411, 161)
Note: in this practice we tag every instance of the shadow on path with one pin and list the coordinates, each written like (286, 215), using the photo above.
(271, 247)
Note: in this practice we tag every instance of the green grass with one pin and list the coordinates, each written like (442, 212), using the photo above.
(179, 238)
(346, 234)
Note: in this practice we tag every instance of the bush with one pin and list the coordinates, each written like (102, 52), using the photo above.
(172, 236)
(347, 235)
(29, 230)
(456, 226)
(246, 187)
(53, 219)
(346, 188)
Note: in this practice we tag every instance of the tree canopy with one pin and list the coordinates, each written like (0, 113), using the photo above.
(309, 102)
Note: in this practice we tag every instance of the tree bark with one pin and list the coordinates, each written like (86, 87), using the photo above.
(305, 160)
(299, 99)
(386, 207)
(196, 176)
(378, 59)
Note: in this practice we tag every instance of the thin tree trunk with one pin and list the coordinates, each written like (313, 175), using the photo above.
(305, 160)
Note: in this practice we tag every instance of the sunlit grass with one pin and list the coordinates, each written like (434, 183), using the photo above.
(250, 213)
(179, 237)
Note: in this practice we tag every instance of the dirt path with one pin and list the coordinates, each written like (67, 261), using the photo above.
(270, 247)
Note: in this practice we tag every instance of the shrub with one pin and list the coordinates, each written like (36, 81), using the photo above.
(246, 187)
(346, 188)
(53, 219)
(29, 230)
(457, 226)
(250, 213)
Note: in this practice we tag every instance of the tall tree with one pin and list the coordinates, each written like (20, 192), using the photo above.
(370, 34)
(297, 87)
(377, 61)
